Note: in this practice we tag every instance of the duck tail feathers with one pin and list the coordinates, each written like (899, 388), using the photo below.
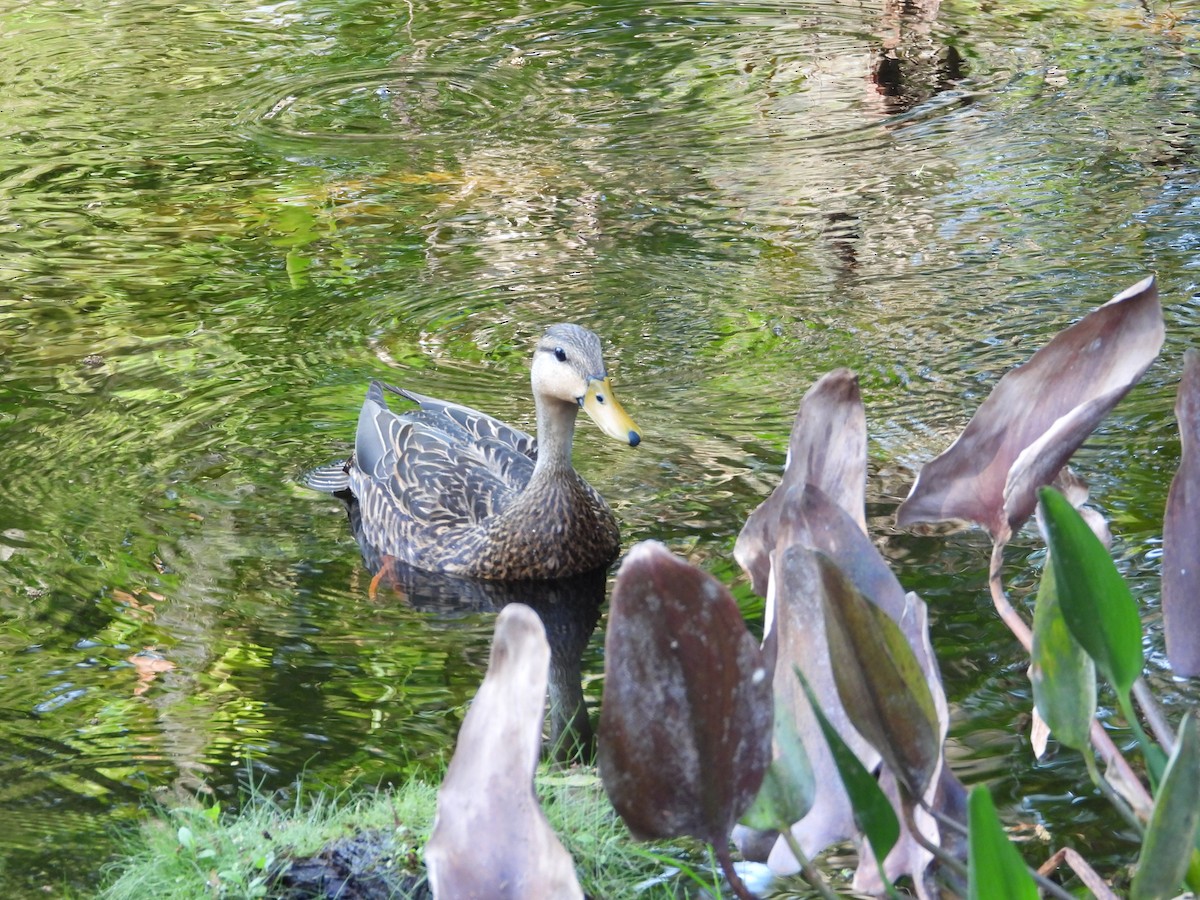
(331, 479)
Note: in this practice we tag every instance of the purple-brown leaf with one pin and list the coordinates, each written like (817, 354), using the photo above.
(491, 839)
(1037, 416)
(685, 722)
(1181, 531)
(810, 520)
(880, 681)
(799, 626)
(828, 448)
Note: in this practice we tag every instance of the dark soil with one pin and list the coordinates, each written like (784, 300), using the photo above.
(366, 866)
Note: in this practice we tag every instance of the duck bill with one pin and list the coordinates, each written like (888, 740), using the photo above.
(606, 411)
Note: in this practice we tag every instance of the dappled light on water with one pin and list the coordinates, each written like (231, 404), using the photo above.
(218, 222)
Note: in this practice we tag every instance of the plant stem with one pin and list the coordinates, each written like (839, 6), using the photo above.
(811, 874)
(735, 882)
(1082, 869)
(1008, 615)
(1125, 703)
(1108, 753)
(1154, 716)
(944, 820)
(950, 862)
(1152, 753)
(1109, 792)
(1050, 887)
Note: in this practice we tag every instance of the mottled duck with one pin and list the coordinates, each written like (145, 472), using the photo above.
(446, 488)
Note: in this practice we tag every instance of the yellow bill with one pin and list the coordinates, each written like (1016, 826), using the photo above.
(602, 405)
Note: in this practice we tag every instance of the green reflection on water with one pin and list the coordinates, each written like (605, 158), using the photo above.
(218, 222)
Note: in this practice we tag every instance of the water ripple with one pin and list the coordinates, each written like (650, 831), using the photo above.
(219, 221)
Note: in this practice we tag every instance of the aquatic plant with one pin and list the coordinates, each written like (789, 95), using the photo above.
(491, 838)
(838, 621)
(1085, 621)
(685, 720)
(840, 716)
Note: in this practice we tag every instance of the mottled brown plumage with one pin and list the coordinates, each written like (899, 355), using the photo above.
(449, 489)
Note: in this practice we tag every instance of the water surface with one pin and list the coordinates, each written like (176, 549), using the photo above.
(219, 221)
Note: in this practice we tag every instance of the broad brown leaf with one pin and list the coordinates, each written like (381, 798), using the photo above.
(1037, 416)
(685, 721)
(490, 839)
(828, 448)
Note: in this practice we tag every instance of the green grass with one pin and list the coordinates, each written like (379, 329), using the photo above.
(199, 851)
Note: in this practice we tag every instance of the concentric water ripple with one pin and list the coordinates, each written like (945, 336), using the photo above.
(219, 221)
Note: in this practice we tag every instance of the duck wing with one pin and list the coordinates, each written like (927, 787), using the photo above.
(507, 445)
(426, 471)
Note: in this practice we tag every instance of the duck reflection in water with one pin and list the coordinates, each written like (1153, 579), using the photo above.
(569, 609)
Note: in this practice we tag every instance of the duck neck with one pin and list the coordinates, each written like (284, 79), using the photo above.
(555, 432)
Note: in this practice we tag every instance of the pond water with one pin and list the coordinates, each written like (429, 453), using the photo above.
(219, 220)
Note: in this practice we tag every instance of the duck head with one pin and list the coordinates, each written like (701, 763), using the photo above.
(568, 367)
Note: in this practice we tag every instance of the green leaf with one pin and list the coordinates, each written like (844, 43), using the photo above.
(879, 680)
(995, 870)
(186, 840)
(1171, 834)
(1062, 673)
(873, 814)
(787, 789)
(1095, 600)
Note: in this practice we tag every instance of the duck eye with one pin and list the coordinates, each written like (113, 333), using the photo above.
(560, 354)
